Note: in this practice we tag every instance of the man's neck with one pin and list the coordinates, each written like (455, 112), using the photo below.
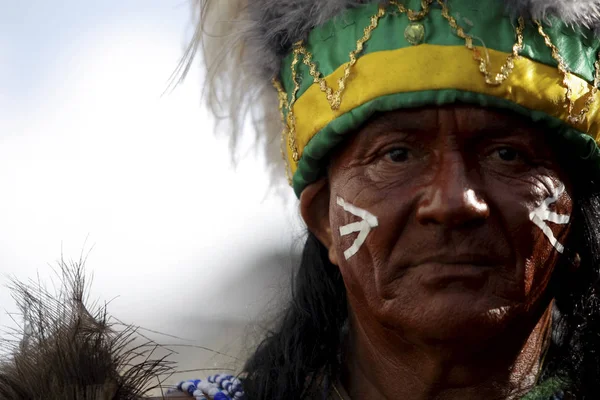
(386, 366)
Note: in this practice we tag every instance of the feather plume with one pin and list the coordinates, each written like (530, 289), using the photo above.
(585, 13)
(69, 353)
(243, 43)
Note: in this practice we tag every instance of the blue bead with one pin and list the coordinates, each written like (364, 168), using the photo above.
(221, 396)
(236, 388)
(192, 388)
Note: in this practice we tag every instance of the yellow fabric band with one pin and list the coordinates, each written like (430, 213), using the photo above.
(532, 85)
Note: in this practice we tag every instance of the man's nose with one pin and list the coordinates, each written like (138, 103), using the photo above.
(452, 199)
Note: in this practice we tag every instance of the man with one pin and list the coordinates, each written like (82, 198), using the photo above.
(445, 160)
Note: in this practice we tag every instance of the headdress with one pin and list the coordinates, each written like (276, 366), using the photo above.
(334, 64)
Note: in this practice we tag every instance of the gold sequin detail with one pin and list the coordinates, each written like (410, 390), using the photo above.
(508, 66)
(291, 118)
(562, 67)
(415, 31)
(412, 15)
(335, 97)
(283, 105)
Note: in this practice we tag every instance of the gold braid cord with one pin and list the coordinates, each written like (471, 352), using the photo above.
(283, 104)
(334, 97)
(412, 15)
(562, 67)
(507, 68)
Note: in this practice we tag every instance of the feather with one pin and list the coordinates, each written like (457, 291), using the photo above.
(584, 13)
(69, 353)
(243, 43)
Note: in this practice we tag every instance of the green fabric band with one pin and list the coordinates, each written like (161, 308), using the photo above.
(311, 166)
(490, 26)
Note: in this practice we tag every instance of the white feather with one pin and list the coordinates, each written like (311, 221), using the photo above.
(236, 88)
(584, 13)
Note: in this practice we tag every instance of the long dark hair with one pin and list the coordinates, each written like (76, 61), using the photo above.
(574, 352)
(292, 360)
(303, 350)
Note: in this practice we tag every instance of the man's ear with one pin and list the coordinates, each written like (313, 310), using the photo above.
(314, 208)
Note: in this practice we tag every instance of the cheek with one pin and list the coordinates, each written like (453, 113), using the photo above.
(538, 228)
(366, 272)
(549, 244)
(352, 252)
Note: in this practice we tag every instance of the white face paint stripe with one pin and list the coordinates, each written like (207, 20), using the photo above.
(542, 214)
(363, 227)
(359, 212)
(351, 228)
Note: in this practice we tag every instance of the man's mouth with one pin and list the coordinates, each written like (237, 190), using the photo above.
(463, 271)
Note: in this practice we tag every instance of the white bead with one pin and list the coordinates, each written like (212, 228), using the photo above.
(205, 386)
(199, 395)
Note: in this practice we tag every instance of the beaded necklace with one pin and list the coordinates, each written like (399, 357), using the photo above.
(215, 387)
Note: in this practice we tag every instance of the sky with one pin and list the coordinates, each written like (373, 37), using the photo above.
(96, 160)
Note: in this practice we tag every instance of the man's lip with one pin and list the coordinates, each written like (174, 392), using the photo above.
(437, 276)
(460, 259)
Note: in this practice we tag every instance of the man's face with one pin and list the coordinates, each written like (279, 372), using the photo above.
(453, 190)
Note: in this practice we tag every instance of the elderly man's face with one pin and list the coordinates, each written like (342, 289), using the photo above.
(453, 189)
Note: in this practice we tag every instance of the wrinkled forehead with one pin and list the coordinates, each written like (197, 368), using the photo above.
(464, 128)
(463, 122)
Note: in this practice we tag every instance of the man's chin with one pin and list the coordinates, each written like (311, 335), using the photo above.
(459, 316)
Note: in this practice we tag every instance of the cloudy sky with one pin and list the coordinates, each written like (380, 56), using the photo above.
(93, 158)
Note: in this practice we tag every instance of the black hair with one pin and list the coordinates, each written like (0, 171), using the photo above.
(303, 349)
(296, 359)
(574, 352)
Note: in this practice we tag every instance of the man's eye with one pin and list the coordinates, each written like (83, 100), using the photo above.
(507, 154)
(399, 155)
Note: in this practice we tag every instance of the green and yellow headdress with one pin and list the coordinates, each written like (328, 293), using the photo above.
(341, 62)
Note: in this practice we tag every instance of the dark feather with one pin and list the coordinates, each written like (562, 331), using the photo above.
(68, 353)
